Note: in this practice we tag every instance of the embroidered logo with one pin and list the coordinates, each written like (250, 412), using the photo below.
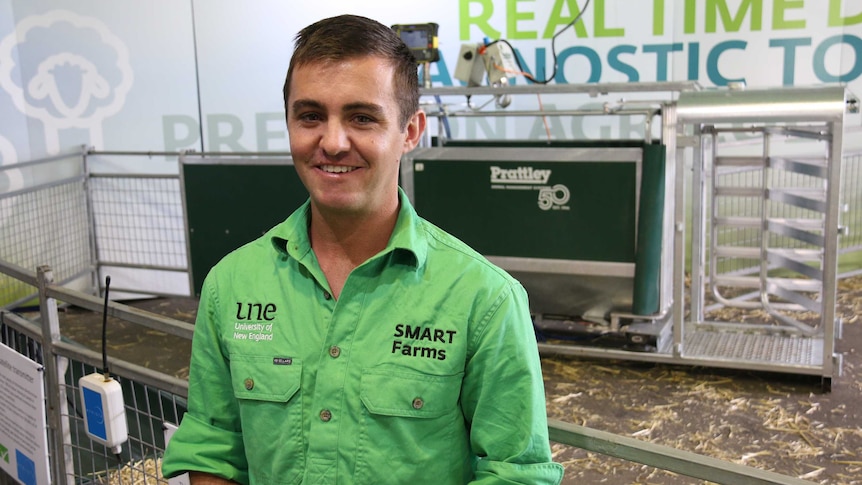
(426, 336)
(254, 321)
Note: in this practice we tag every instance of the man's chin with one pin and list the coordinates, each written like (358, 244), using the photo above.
(340, 207)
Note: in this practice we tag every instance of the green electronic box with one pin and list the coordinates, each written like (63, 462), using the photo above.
(579, 216)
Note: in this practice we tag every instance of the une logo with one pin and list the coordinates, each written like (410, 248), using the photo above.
(255, 311)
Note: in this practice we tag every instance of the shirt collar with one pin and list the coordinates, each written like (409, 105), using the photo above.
(408, 244)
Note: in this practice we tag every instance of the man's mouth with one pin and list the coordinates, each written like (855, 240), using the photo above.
(336, 168)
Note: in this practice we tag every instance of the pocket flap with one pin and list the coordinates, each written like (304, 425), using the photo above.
(265, 378)
(407, 393)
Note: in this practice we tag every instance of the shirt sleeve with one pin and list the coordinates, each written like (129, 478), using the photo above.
(209, 438)
(503, 398)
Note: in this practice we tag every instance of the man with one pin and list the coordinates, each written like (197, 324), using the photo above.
(355, 343)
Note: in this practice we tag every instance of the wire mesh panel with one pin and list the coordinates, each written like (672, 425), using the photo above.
(19, 341)
(147, 408)
(851, 197)
(46, 225)
(139, 220)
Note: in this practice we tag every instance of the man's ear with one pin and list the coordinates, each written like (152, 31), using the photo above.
(414, 130)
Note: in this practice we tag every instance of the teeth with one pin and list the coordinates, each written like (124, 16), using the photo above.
(336, 168)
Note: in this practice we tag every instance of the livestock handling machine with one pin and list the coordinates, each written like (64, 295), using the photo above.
(711, 240)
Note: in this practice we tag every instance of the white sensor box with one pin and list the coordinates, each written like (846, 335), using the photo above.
(470, 69)
(104, 410)
(500, 63)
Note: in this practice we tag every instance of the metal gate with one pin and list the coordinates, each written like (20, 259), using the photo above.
(765, 227)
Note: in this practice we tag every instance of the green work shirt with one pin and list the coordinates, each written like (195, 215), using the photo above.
(424, 371)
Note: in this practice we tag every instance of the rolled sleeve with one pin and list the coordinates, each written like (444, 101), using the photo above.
(504, 399)
(209, 438)
(495, 473)
(198, 446)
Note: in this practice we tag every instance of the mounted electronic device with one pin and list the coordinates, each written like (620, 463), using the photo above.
(102, 398)
(421, 39)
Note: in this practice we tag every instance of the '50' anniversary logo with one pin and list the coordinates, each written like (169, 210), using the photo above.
(557, 195)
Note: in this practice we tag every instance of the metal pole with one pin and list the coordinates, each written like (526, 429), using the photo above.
(58, 421)
(91, 223)
(664, 457)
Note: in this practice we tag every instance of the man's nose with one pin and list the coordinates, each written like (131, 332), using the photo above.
(335, 139)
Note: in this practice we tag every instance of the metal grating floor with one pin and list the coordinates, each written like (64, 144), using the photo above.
(756, 348)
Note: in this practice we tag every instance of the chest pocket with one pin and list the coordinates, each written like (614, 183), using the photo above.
(260, 378)
(412, 419)
(270, 404)
(409, 394)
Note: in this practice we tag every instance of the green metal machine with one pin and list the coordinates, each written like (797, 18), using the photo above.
(579, 224)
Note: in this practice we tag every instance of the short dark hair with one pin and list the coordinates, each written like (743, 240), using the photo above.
(351, 36)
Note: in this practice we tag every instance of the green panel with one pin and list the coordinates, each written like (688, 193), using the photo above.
(230, 205)
(645, 296)
(596, 223)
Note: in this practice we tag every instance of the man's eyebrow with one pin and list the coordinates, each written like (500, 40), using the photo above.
(301, 104)
(371, 108)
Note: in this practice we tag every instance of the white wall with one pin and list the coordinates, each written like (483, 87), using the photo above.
(121, 75)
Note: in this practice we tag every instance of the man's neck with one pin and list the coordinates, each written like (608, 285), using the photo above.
(341, 242)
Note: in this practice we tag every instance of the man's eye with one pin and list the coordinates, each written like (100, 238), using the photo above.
(309, 117)
(362, 119)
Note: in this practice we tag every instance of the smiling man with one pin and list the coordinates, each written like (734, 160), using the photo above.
(376, 348)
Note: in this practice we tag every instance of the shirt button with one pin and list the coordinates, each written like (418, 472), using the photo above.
(418, 403)
(249, 384)
(326, 295)
(325, 415)
(334, 351)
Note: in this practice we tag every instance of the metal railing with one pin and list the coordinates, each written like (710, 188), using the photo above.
(153, 398)
(45, 221)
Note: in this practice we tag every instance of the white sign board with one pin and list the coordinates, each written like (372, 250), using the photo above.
(23, 433)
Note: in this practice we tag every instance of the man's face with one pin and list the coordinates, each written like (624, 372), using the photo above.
(345, 136)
